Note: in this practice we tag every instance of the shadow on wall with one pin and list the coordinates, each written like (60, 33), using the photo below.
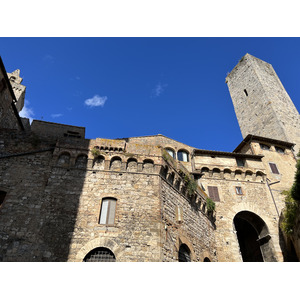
(62, 195)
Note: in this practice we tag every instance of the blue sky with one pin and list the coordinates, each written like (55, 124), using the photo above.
(123, 87)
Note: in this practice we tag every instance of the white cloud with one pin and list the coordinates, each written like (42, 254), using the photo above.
(95, 101)
(56, 115)
(27, 112)
(159, 89)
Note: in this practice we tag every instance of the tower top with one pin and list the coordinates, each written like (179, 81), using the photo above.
(15, 76)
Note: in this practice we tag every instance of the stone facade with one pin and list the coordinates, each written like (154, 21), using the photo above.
(67, 198)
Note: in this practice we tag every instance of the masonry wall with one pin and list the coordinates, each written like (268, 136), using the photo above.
(8, 117)
(261, 104)
(255, 199)
(196, 229)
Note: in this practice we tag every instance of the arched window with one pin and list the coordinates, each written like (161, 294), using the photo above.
(184, 253)
(81, 161)
(100, 255)
(64, 159)
(183, 155)
(108, 211)
(171, 152)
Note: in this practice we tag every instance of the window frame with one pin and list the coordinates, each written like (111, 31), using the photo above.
(108, 212)
(212, 192)
(239, 190)
(180, 154)
(273, 168)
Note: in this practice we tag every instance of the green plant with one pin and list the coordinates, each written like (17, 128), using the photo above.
(289, 213)
(191, 185)
(295, 190)
(210, 205)
(95, 152)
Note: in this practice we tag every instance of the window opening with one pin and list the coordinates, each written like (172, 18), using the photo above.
(171, 152)
(2, 197)
(108, 211)
(246, 93)
(213, 193)
(238, 190)
(279, 150)
(100, 255)
(264, 147)
(274, 168)
(184, 253)
(240, 162)
(183, 156)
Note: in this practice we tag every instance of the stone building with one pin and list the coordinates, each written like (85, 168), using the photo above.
(67, 198)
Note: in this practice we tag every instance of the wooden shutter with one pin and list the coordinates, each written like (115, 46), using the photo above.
(274, 168)
(213, 193)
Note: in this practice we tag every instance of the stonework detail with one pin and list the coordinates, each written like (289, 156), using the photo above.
(150, 198)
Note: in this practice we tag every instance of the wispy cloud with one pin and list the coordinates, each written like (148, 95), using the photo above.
(56, 115)
(159, 89)
(27, 112)
(96, 101)
(48, 58)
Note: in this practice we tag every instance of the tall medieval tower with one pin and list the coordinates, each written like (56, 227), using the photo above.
(262, 105)
(18, 88)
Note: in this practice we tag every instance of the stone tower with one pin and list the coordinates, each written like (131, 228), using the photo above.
(18, 88)
(262, 105)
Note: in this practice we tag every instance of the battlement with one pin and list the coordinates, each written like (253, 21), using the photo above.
(56, 130)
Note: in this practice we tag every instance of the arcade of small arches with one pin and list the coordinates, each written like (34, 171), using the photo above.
(101, 163)
(238, 174)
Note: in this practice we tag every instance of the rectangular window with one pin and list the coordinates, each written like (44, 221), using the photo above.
(238, 190)
(213, 193)
(240, 162)
(108, 211)
(274, 168)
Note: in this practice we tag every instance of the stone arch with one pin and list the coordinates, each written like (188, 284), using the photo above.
(183, 240)
(183, 155)
(116, 163)
(64, 158)
(99, 162)
(253, 237)
(248, 175)
(81, 161)
(104, 242)
(148, 165)
(164, 171)
(227, 174)
(132, 165)
(216, 172)
(171, 177)
(171, 151)
(238, 174)
(100, 254)
(259, 176)
(205, 171)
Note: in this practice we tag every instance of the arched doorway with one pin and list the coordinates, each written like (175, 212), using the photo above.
(184, 254)
(253, 237)
(100, 255)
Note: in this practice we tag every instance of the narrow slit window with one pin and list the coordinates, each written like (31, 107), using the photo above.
(246, 93)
